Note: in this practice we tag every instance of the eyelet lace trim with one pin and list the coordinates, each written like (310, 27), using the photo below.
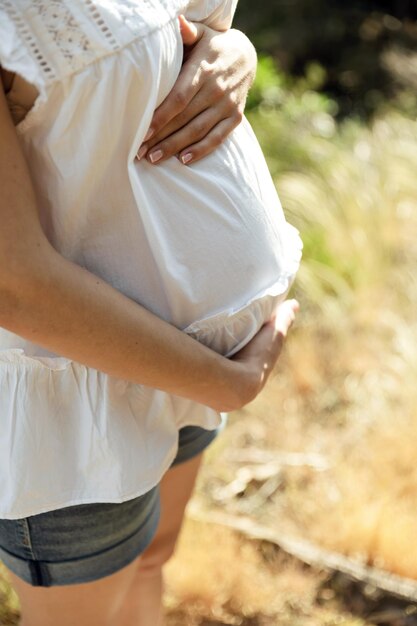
(70, 47)
(26, 36)
(59, 24)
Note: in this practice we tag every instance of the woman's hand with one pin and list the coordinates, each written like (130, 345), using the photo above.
(257, 359)
(208, 98)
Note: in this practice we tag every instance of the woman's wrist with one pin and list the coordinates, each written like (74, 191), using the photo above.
(233, 384)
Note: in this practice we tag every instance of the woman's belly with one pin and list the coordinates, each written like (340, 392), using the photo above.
(225, 254)
(205, 247)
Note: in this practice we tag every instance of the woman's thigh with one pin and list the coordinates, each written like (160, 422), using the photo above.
(89, 604)
(176, 489)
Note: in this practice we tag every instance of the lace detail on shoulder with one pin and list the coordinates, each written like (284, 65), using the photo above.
(58, 26)
(62, 37)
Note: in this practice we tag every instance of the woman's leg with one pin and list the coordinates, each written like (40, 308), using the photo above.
(90, 604)
(142, 605)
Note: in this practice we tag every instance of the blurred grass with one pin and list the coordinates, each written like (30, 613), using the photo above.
(349, 188)
(245, 583)
(9, 603)
(350, 369)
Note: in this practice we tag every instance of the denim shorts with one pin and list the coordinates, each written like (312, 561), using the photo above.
(85, 542)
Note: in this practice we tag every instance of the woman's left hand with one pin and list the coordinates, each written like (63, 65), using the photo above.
(208, 98)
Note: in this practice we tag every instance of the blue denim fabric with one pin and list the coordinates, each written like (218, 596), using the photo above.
(85, 542)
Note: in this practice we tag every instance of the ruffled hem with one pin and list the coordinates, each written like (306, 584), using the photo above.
(17, 356)
(71, 434)
(229, 331)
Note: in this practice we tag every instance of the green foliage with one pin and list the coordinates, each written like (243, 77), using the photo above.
(269, 84)
(350, 40)
(343, 184)
(286, 111)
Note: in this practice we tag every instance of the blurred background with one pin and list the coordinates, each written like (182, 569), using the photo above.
(327, 454)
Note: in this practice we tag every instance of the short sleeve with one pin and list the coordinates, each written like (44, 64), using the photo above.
(217, 14)
(14, 53)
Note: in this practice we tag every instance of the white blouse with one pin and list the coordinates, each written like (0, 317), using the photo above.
(205, 247)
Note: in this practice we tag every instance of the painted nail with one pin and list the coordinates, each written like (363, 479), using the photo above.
(141, 153)
(186, 158)
(149, 134)
(156, 156)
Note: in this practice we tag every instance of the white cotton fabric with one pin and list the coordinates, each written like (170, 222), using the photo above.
(205, 247)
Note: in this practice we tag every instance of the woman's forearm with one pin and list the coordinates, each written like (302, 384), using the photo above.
(68, 310)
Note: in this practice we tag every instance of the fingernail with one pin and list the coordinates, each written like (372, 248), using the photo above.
(186, 158)
(149, 134)
(141, 153)
(155, 156)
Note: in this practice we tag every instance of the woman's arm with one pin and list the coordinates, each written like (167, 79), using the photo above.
(208, 98)
(63, 307)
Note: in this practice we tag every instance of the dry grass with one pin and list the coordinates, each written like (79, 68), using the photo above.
(345, 389)
(219, 569)
(218, 578)
(9, 604)
(366, 504)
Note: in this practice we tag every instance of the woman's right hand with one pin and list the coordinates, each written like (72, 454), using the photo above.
(257, 359)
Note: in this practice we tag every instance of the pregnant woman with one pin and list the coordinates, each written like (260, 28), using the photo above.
(138, 301)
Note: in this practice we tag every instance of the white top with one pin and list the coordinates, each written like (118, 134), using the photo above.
(205, 247)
